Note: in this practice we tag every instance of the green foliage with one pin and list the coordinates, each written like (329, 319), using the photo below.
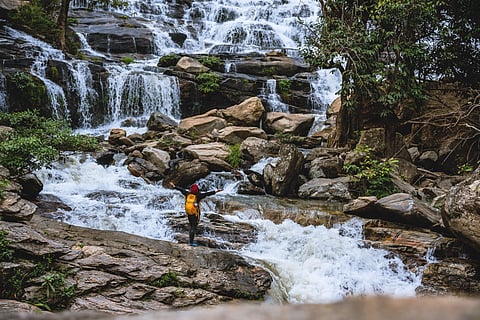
(465, 168)
(56, 291)
(169, 279)
(37, 20)
(107, 4)
(26, 90)
(168, 60)
(284, 85)
(210, 61)
(12, 283)
(6, 254)
(234, 157)
(378, 46)
(127, 60)
(373, 174)
(37, 141)
(289, 138)
(3, 185)
(268, 71)
(208, 82)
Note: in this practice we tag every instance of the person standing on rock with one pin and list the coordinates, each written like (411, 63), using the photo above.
(192, 206)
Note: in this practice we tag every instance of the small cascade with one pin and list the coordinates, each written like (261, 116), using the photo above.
(135, 92)
(230, 67)
(83, 85)
(3, 93)
(42, 52)
(86, 48)
(274, 101)
(324, 90)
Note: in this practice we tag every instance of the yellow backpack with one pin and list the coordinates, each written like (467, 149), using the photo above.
(191, 205)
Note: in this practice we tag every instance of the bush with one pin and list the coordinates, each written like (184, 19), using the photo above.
(34, 17)
(26, 91)
(168, 60)
(6, 254)
(127, 60)
(210, 61)
(234, 157)
(208, 82)
(373, 175)
(37, 141)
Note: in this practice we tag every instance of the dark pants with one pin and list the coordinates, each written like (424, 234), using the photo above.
(193, 221)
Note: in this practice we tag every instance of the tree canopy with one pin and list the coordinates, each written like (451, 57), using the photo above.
(388, 49)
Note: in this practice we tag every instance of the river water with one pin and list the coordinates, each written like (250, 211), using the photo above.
(310, 264)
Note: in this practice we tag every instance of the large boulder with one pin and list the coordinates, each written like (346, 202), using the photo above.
(282, 179)
(293, 123)
(326, 189)
(236, 134)
(248, 113)
(14, 208)
(190, 65)
(398, 207)
(201, 124)
(120, 273)
(253, 149)
(461, 212)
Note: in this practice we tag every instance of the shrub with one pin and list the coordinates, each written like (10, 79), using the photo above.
(37, 141)
(168, 60)
(127, 60)
(169, 279)
(284, 85)
(208, 82)
(34, 17)
(6, 254)
(234, 157)
(373, 175)
(26, 91)
(210, 61)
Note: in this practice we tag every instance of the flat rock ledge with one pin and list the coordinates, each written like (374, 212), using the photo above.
(120, 273)
(363, 308)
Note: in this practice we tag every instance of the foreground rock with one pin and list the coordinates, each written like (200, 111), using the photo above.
(120, 273)
(462, 210)
(370, 308)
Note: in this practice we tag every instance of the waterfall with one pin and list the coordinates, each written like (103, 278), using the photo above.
(83, 85)
(3, 93)
(42, 52)
(138, 93)
(274, 101)
(324, 89)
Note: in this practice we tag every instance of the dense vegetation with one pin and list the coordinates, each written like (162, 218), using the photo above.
(36, 141)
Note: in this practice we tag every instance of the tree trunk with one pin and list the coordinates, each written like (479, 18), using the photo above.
(62, 24)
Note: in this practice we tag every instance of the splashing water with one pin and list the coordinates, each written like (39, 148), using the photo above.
(109, 198)
(311, 264)
(320, 265)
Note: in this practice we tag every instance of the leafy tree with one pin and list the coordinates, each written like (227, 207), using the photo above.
(36, 141)
(384, 51)
(456, 54)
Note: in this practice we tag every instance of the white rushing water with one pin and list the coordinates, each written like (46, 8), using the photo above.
(311, 264)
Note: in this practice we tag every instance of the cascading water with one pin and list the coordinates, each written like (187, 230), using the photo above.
(42, 52)
(274, 101)
(309, 264)
(135, 92)
(324, 87)
(3, 94)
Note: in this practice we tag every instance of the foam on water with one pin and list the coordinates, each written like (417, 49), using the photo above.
(319, 265)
